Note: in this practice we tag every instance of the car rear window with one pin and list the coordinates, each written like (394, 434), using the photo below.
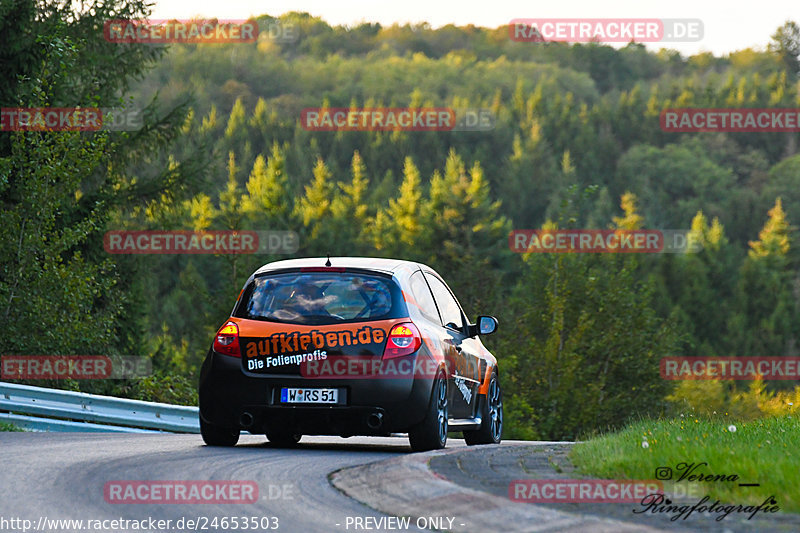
(317, 298)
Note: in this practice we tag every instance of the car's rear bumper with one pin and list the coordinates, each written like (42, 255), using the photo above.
(229, 397)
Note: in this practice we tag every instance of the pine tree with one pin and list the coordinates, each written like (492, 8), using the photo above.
(701, 284)
(230, 200)
(631, 220)
(774, 237)
(398, 226)
(267, 200)
(209, 122)
(314, 209)
(349, 213)
(202, 212)
(260, 114)
(786, 46)
(766, 322)
(465, 232)
(236, 120)
(350, 204)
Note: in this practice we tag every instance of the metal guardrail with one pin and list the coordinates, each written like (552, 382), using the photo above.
(32, 423)
(78, 411)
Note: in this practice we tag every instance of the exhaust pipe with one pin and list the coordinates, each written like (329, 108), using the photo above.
(375, 420)
(246, 420)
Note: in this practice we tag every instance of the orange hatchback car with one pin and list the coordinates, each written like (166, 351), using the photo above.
(350, 346)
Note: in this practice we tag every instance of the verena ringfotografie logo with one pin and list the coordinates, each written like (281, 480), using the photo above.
(602, 241)
(160, 31)
(201, 242)
(70, 119)
(180, 492)
(396, 119)
(730, 368)
(659, 504)
(694, 473)
(582, 490)
(605, 30)
(74, 367)
(731, 120)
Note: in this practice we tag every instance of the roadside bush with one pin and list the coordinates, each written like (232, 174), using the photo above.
(714, 398)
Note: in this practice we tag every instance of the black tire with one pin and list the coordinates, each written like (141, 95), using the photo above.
(218, 436)
(282, 439)
(431, 433)
(491, 430)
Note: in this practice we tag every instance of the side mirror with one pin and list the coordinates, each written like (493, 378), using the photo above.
(486, 325)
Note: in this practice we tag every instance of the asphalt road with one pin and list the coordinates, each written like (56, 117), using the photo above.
(46, 477)
(53, 476)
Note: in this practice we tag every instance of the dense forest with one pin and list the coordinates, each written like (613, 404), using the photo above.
(576, 144)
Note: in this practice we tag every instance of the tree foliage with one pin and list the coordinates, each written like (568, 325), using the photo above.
(576, 142)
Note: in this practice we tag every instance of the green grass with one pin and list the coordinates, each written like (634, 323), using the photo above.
(8, 427)
(761, 451)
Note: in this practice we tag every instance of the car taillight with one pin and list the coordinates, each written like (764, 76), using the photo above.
(404, 339)
(227, 340)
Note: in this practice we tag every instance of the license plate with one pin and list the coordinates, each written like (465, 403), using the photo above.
(291, 395)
